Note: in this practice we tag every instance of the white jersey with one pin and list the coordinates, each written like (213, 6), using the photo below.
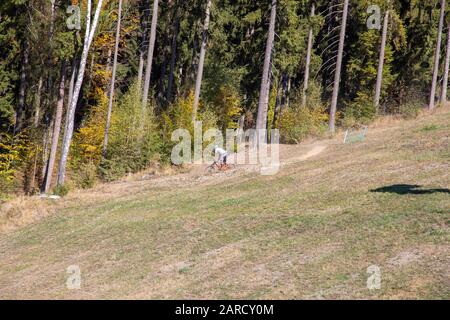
(222, 153)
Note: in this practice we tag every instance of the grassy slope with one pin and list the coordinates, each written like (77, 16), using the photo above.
(309, 232)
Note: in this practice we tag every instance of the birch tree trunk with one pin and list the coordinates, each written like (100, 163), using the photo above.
(71, 88)
(113, 81)
(446, 69)
(308, 59)
(201, 62)
(437, 56)
(56, 130)
(67, 140)
(261, 120)
(151, 49)
(337, 75)
(381, 60)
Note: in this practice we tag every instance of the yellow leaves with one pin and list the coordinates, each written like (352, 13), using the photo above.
(299, 123)
(103, 40)
(228, 106)
(13, 151)
(186, 104)
(101, 76)
(88, 140)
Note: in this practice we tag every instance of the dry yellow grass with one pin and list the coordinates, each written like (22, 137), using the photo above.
(309, 232)
(22, 211)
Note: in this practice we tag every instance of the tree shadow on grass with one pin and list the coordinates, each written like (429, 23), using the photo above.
(403, 189)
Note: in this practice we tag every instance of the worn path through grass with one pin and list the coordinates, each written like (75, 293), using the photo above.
(309, 232)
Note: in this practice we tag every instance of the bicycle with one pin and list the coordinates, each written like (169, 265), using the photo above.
(219, 167)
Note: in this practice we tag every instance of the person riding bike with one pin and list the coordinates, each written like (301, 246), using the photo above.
(223, 154)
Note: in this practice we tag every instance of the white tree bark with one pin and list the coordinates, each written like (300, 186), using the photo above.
(56, 130)
(446, 69)
(337, 75)
(437, 56)
(261, 120)
(201, 62)
(113, 81)
(381, 60)
(68, 134)
(151, 49)
(308, 59)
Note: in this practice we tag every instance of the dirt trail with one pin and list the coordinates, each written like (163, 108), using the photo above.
(315, 151)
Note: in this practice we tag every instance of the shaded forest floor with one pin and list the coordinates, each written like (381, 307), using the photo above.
(309, 232)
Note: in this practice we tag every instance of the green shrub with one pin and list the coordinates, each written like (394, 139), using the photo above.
(61, 191)
(13, 155)
(86, 175)
(410, 110)
(134, 141)
(360, 111)
(179, 116)
(298, 123)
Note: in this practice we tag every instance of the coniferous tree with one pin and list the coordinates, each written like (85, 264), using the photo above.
(437, 57)
(201, 62)
(381, 60)
(337, 77)
(261, 121)
(113, 80)
(151, 49)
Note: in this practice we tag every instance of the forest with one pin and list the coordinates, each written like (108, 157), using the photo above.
(92, 90)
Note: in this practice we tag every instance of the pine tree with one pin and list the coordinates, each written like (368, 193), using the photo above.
(261, 122)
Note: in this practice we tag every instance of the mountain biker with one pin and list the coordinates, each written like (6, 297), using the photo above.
(223, 154)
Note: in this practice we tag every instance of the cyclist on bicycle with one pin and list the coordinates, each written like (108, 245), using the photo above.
(223, 154)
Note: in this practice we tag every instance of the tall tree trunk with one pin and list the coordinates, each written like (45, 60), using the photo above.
(381, 60)
(437, 57)
(151, 49)
(56, 130)
(71, 89)
(48, 136)
(173, 60)
(261, 120)
(113, 81)
(282, 101)
(308, 60)
(446, 69)
(48, 63)
(162, 77)
(288, 96)
(337, 75)
(67, 140)
(22, 89)
(37, 102)
(52, 19)
(201, 62)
